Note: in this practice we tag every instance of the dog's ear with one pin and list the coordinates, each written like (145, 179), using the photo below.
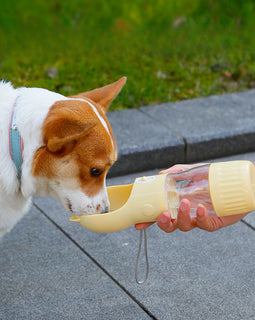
(62, 130)
(104, 96)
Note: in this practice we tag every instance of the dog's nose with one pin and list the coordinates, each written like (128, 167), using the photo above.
(106, 210)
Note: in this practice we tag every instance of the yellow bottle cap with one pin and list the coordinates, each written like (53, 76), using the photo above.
(232, 187)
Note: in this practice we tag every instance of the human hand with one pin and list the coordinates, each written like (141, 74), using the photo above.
(185, 222)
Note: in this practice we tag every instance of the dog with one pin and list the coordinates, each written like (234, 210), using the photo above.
(54, 145)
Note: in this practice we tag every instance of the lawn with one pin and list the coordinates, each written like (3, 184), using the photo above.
(169, 50)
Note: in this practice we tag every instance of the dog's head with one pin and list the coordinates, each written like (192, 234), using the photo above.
(78, 150)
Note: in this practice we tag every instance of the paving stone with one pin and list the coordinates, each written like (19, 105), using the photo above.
(212, 127)
(45, 276)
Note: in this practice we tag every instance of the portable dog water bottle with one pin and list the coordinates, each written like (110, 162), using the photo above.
(224, 188)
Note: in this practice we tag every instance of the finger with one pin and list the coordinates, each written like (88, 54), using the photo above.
(203, 221)
(174, 169)
(141, 226)
(181, 167)
(166, 223)
(184, 221)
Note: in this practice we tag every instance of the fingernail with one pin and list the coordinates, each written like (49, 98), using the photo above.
(164, 218)
(184, 206)
(200, 210)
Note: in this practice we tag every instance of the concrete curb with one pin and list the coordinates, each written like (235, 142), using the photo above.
(187, 131)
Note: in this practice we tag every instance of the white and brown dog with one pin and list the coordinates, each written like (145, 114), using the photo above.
(56, 145)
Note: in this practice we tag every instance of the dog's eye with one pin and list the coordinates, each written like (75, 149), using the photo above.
(95, 172)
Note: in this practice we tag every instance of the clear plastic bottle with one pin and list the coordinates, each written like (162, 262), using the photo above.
(224, 188)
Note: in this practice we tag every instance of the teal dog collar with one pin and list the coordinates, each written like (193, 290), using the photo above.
(15, 142)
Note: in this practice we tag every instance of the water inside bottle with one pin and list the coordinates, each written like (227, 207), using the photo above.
(192, 185)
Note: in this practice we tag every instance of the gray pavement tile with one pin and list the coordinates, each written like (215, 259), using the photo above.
(45, 276)
(212, 127)
(250, 219)
(194, 275)
(143, 142)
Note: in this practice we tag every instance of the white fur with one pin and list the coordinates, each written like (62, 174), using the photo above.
(32, 105)
(75, 200)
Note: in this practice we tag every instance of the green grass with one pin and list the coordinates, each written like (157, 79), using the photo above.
(92, 43)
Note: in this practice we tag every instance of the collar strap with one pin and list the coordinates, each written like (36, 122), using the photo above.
(15, 142)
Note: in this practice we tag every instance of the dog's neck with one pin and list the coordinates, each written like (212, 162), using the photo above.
(29, 122)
